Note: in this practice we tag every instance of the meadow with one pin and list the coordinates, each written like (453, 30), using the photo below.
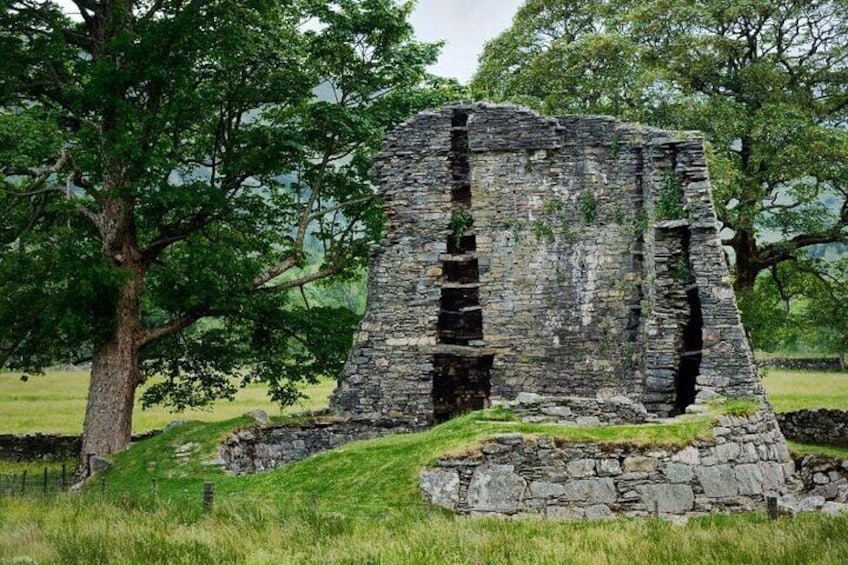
(360, 503)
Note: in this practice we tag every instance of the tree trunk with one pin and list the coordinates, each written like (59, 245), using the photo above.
(114, 379)
(747, 268)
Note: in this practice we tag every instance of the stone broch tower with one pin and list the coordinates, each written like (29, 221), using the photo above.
(568, 267)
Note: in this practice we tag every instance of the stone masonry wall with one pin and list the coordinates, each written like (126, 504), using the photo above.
(515, 474)
(828, 427)
(566, 257)
(262, 448)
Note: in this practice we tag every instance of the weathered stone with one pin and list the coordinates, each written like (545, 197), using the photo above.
(441, 486)
(640, 464)
(672, 499)
(750, 479)
(496, 488)
(593, 491)
(258, 416)
(599, 512)
(678, 473)
(541, 489)
(834, 508)
(97, 464)
(581, 468)
(718, 481)
(687, 456)
(609, 467)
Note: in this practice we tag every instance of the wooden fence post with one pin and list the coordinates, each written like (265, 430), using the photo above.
(208, 496)
(23, 482)
(44, 483)
(771, 505)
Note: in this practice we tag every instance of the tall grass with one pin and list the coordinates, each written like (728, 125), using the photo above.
(87, 530)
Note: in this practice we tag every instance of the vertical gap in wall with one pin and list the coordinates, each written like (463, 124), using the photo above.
(638, 248)
(693, 340)
(460, 378)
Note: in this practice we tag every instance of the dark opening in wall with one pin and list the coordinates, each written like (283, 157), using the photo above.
(464, 270)
(456, 298)
(459, 160)
(465, 325)
(460, 385)
(690, 360)
(462, 244)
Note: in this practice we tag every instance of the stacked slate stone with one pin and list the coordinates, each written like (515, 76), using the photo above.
(513, 474)
(594, 270)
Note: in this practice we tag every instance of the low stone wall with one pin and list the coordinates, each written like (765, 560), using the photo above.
(819, 364)
(515, 474)
(828, 427)
(47, 447)
(38, 447)
(823, 476)
(261, 447)
(577, 410)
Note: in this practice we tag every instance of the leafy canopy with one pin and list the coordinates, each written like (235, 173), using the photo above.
(177, 170)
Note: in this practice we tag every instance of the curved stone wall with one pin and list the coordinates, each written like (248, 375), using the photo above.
(515, 474)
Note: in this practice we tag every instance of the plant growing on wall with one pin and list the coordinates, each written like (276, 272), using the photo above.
(460, 222)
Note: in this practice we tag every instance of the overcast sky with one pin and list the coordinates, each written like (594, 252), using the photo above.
(464, 25)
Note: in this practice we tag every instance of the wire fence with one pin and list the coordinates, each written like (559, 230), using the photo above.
(36, 481)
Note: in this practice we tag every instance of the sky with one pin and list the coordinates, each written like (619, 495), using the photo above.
(464, 25)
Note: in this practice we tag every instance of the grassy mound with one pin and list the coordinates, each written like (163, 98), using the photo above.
(360, 504)
(364, 477)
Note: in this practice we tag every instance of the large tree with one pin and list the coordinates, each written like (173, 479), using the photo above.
(766, 81)
(173, 171)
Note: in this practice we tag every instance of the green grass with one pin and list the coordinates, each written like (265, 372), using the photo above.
(796, 390)
(807, 449)
(89, 530)
(359, 478)
(55, 403)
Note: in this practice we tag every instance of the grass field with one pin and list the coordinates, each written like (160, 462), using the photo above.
(360, 504)
(55, 403)
(794, 390)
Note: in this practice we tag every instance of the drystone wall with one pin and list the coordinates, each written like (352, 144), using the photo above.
(824, 477)
(566, 257)
(828, 427)
(262, 448)
(38, 447)
(515, 474)
(823, 364)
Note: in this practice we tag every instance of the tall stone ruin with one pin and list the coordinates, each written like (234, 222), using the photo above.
(567, 267)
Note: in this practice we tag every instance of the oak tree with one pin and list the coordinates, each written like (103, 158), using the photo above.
(175, 171)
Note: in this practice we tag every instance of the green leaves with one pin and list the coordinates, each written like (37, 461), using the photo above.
(212, 153)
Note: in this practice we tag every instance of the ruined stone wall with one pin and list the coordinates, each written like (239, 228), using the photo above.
(265, 447)
(558, 256)
(515, 474)
(821, 427)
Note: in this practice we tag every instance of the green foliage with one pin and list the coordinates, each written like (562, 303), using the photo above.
(178, 176)
(543, 232)
(460, 222)
(741, 407)
(588, 207)
(683, 271)
(763, 80)
(669, 204)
